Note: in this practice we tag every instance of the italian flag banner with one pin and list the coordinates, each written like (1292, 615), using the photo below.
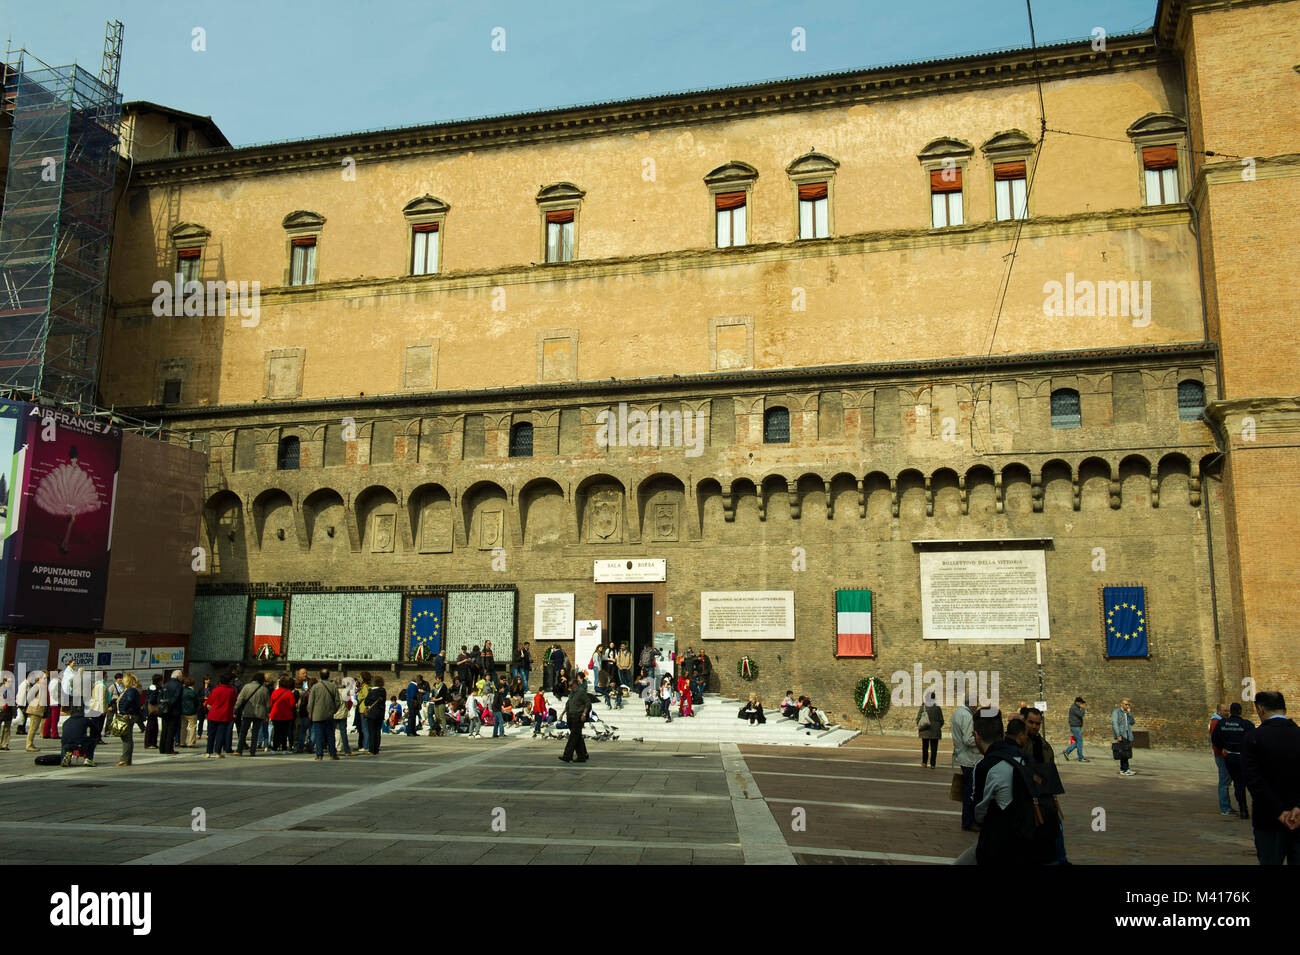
(268, 625)
(853, 623)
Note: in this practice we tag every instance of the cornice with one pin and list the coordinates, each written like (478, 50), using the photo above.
(962, 74)
(1142, 217)
(686, 385)
(1173, 17)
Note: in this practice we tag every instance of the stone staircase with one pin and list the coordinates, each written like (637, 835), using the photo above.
(715, 721)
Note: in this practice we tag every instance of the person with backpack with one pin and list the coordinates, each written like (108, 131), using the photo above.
(252, 706)
(374, 714)
(1004, 803)
(929, 727)
(322, 704)
(1230, 736)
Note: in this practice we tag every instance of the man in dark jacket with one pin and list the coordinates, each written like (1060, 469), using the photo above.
(1049, 837)
(439, 696)
(169, 709)
(1230, 736)
(413, 703)
(1076, 729)
(575, 714)
(1270, 760)
(1004, 803)
(76, 737)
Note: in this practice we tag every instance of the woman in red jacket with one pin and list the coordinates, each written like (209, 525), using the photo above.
(282, 714)
(221, 713)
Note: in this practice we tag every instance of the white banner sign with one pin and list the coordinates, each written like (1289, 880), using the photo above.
(747, 615)
(552, 618)
(641, 570)
(992, 596)
(586, 637)
(110, 643)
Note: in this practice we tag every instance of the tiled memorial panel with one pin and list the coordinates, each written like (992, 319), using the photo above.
(220, 628)
(344, 626)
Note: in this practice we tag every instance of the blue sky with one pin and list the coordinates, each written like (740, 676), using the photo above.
(270, 72)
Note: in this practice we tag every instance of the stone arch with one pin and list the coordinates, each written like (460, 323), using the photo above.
(746, 501)
(223, 518)
(273, 517)
(810, 490)
(945, 499)
(981, 496)
(1058, 485)
(1094, 484)
(844, 497)
(324, 515)
(911, 495)
(543, 519)
(661, 505)
(1135, 480)
(376, 513)
(432, 522)
(1174, 479)
(879, 497)
(708, 502)
(775, 496)
(1017, 490)
(485, 512)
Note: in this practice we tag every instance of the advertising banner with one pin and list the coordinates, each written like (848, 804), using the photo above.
(12, 417)
(57, 573)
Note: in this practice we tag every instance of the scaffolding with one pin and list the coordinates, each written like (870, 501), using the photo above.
(56, 224)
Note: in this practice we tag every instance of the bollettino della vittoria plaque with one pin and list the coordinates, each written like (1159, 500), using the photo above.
(985, 596)
(474, 616)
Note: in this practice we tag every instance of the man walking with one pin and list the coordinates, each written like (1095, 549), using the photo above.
(498, 697)
(1271, 761)
(169, 710)
(575, 714)
(253, 706)
(1050, 836)
(1005, 806)
(1076, 729)
(1230, 736)
(1121, 724)
(322, 702)
(965, 756)
(1225, 804)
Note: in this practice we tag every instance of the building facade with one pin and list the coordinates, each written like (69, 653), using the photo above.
(786, 337)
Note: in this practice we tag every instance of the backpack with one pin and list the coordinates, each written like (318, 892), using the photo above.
(647, 659)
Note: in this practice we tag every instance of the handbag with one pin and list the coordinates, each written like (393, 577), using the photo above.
(924, 722)
(37, 709)
(120, 726)
(955, 789)
(1121, 750)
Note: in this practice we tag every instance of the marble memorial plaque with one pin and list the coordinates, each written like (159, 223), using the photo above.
(992, 596)
(552, 618)
(747, 615)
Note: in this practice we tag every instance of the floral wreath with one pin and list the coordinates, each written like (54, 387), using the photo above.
(871, 696)
(747, 669)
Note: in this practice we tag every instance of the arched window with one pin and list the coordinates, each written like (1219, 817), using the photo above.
(776, 426)
(287, 457)
(521, 440)
(1065, 409)
(1191, 400)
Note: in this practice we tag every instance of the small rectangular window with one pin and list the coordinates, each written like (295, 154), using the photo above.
(814, 211)
(1160, 169)
(559, 236)
(303, 265)
(730, 207)
(1009, 190)
(424, 257)
(172, 391)
(945, 198)
(187, 264)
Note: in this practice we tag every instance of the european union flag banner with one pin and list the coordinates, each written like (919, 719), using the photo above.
(424, 633)
(1126, 621)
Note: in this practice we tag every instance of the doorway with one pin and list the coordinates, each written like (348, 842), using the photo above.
(631, 621)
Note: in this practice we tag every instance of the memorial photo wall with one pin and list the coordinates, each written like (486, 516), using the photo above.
(355, 627)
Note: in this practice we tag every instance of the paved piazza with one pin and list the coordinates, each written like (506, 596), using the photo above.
(509, 802)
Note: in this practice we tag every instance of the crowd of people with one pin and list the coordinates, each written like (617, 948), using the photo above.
(1007, 781)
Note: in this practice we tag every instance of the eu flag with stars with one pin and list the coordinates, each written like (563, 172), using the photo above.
(425, 628)
(1126, 621)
